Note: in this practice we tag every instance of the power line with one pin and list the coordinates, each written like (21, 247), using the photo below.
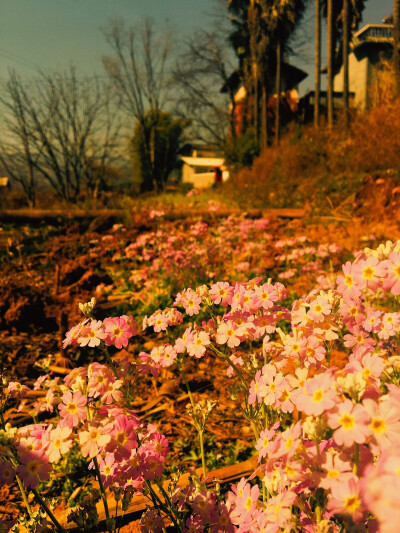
(17, 59)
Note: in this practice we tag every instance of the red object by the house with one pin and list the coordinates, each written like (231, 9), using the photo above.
(217, 175)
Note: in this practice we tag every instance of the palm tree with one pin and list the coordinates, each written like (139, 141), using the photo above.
(280, 18)
(262, 31)
(342, 18)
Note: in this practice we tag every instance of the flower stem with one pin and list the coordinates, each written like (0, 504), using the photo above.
(203, 460)
(24, 495)
(187, 387)
(199, 429)
(48, 511)
(356, 458)
(158, 503)
(102, 490)
(110, 361)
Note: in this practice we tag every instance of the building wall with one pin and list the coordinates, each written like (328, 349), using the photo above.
(359, 74)
(200, 181)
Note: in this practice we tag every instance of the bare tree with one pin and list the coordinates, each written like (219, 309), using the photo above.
(138, 71)
(64, 118)
(16, 153)
(201, 72)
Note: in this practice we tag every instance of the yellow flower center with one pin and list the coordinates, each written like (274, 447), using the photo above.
(348, 280)
(352, 503)
(289, 443)
(117, 332)
(378, 425)
(249, 503)
(333, 474)
(347, 421)
(72, 408)
(368, 272)
(33, 467)
(94, 434)
(318, 395)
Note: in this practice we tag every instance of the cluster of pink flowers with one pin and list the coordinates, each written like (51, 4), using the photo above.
(319, 380)
(113, 331)
(161, 320)
(89, 402)
(330, 428)
(170, 258)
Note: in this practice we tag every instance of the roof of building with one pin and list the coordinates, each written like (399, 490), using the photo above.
(203, 161)
(373, 33)
(293, 76)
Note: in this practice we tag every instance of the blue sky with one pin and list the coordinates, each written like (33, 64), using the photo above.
(53, 34)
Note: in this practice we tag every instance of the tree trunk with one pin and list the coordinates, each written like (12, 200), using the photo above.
(396, 43)
(264, 117)
(317, 61)
(329, 80)
(345, 43)
(278, 93)
(255, 99)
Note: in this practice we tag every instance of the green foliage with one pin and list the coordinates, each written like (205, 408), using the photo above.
(154, 147)
(242, 150)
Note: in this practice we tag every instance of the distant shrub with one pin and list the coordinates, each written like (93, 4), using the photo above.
(323, 166)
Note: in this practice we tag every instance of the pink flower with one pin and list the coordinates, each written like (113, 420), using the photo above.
(229, 333)
(7, 472)
(73, 410)
(256, 389)
(335, 469)
(359, 340)
(118, 332)
(279, 508)
(351, 424)
(371, 273)
(348, 284)
(74, 333)
(221, 293)
(346, 498)
(317, 396)
(319, 309)
(267, 295)
(34, 469)
(123, 437)
(197, 347)
(16, 390)
(99, 378)
(392, 279)
(245, 498)
(151, 522)
(384, 423)
(92, 334)
(112, 393)
(59, 442)
(191, 302)
(265, 443)
(273, 384)
(93, 438)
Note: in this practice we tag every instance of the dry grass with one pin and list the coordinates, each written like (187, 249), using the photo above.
(325, 168)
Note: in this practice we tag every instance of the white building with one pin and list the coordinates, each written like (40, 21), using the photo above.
(368, 48)
(200, 171)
